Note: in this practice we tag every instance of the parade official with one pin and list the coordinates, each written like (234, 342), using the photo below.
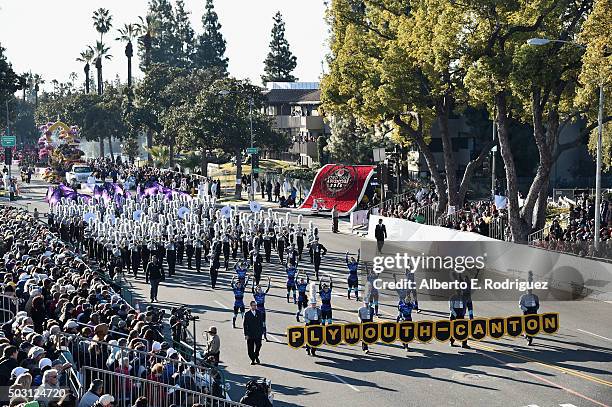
(381, 234)
(253, 331)
(154, 275)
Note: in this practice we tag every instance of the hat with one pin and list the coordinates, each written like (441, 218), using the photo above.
(156, 346)
(106, 399)
(44, 362)
(212, 330)
(35, 352)
(171, 351)
(71, 324)
(18, 371)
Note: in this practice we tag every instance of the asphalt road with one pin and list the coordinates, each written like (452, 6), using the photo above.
(570, 368)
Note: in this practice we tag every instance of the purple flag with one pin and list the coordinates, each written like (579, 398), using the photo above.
(55, 196)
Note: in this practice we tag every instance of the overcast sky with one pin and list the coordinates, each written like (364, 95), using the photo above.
(46, 36)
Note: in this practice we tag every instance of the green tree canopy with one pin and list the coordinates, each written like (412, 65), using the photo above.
(280, 62)
(210, 47)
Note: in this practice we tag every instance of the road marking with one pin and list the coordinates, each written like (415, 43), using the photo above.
(221, 305)
(575, 393)
(344, 382)
(274, 338)
(539, 362)
(566, 405)
(591, 333)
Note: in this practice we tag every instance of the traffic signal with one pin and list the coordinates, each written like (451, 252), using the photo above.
(8, 156)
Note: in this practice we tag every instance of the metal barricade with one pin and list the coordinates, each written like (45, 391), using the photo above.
(125, 389)
(87, 352)
(498, 229)
(9, 306)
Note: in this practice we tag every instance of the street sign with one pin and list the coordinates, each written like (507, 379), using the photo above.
(252, 150)
(9, 141)
(379, 154)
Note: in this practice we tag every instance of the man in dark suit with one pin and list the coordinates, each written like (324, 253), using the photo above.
(380, 233)
(253, 331)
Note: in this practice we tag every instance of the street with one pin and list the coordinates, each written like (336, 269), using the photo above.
(570, 368)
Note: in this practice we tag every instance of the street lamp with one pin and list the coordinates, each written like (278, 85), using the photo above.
(225, 93)
(544, 41)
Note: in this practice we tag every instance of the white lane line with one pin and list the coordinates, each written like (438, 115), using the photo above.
(221, 305)
(343, 381)
(566, 405)
(566, 389)
(532, 405)
(591, 333)
(274, 338)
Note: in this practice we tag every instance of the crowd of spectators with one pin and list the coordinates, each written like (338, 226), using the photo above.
(62, 320)
(578, 234)
(483, 217)
(133, 176)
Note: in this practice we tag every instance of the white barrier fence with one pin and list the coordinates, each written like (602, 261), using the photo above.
(593, 278)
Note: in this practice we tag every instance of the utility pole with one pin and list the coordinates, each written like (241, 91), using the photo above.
(598, 169)
(8, 133)
(493, 151)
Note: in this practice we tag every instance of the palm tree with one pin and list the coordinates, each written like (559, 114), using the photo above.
(126, 34)
(38, 80)
(102, 21)
(86, 56)
(101, 51)
(160, 154)
(148, 28)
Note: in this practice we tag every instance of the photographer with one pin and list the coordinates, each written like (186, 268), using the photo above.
(213, 345)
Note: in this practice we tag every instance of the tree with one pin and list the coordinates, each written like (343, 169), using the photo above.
(9, 83)
(230, 104)
(210, 48)
(596, 71)
(149, 105)
(185, 121)
(363, 140)
(127, 34)
(149, 28)
(37, 80)
(535, 85)
(103, 21)
(280, 62)
(392, 64)
(164, 44)
(101, 52)
(160, 154)
(185, 35)
(86, 57)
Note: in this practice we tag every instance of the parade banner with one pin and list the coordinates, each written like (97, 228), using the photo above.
(339, 186)
(422, 331)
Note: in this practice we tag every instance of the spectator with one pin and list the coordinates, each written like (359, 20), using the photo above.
(7, 364)
(93, 394)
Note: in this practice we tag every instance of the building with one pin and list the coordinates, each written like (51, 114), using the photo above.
(295, 107)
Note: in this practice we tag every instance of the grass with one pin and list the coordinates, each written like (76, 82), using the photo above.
(227, 172)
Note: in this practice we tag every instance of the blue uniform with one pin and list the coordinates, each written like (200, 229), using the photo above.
(326, 308)
(353, 267)
(241, 273)
(260, 299)
(238, 296)
(353, 278)
(291, 272)
(405, 310)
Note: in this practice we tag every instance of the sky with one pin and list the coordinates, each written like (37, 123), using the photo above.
(46, 36)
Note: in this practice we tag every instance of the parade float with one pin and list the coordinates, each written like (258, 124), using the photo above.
(58, 145)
